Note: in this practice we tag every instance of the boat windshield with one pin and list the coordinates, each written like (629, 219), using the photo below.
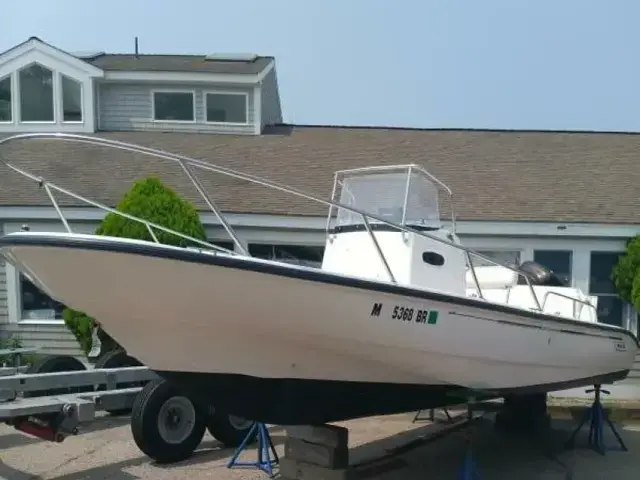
(406, 196)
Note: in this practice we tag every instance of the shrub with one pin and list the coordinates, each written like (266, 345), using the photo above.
(627, 269)
(151, 200)
(80, 326)
(15, 342)
(8, 343)
(635, 292)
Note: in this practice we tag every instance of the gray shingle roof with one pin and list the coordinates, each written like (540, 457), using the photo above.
(495, 175)
(178, 63)
(168, 63)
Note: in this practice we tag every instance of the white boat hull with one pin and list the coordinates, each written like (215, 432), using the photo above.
(197, 312)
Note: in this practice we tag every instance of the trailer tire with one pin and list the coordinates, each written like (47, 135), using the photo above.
(156, 406)
(118, 359)
(57, 363)
(231, 430)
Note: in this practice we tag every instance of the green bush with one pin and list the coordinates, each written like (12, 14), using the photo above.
(151, 200)
(626, 271)
(15, 342)
(635, 292)
(80, 326)
(8, 343)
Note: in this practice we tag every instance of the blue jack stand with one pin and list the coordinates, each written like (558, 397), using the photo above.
(266, 449)
(597, 416)
(468, 470)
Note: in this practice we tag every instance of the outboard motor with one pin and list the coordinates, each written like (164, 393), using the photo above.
(539, 275)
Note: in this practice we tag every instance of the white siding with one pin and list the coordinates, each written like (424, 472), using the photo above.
(51, 339)
(4, 310)
(270, 100)
(128, 107)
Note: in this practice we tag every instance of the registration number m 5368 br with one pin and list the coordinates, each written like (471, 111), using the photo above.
(409, 314)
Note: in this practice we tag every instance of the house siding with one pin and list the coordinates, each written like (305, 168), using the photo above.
(270, 100)
(634, 374)
(128, 107)
(4, 308)
(49, 339)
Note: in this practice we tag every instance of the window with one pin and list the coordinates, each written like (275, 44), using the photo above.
(226, 107)
(310, 256)
(610, 306)
(71, 100)
(511, 257)
(560, 261)
(35, 304)
(36, 94)
(174, 106)
(5, 100)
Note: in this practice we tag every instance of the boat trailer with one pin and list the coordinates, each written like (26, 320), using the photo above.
(51, 406)
(52, 398)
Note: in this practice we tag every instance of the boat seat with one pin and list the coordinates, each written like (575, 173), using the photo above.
(492, 277)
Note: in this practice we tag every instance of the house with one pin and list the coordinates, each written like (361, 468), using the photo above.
(565, 199)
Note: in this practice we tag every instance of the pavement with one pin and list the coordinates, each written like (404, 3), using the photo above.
(508, 457)
(386, 448)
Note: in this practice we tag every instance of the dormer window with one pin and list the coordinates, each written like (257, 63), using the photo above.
(227, 107)
(44, 89)
(6, 114)
(36, 94)
(174, 106)
(71, 100)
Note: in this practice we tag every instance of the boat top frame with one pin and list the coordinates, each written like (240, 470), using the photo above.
(188, 165)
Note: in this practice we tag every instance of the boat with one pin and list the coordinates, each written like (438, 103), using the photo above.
(397, 317)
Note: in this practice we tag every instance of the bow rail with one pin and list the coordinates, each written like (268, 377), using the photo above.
(187, 164)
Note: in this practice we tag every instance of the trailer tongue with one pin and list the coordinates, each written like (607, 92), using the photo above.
(67, 399)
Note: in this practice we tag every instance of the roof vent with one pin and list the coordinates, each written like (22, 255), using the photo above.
(90, 55)
(231, 57)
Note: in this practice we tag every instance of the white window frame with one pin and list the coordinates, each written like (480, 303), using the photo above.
(12, 89)
(14, 303)
(61, 100)
(169, 90)
(227, 92)
(55, 88)
(626, 310)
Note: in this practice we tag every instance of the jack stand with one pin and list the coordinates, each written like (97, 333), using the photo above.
(597, 416)
(266, 449)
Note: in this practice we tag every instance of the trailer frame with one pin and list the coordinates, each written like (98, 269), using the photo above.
(55, 417)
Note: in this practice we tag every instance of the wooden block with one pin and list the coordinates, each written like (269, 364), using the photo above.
(329, 435)
(294, 469)
(321, 455)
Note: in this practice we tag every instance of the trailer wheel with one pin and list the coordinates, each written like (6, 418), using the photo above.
(229, 429)
(57, 363)
(166, 425)
(118, 359)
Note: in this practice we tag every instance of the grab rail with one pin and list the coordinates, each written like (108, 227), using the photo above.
(150, 225)
(185, 162)
(573, 299)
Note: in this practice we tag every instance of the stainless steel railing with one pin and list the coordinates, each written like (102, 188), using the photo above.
(186, 163)
(576, 302)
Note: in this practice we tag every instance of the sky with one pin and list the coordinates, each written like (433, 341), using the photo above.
(503, 64)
